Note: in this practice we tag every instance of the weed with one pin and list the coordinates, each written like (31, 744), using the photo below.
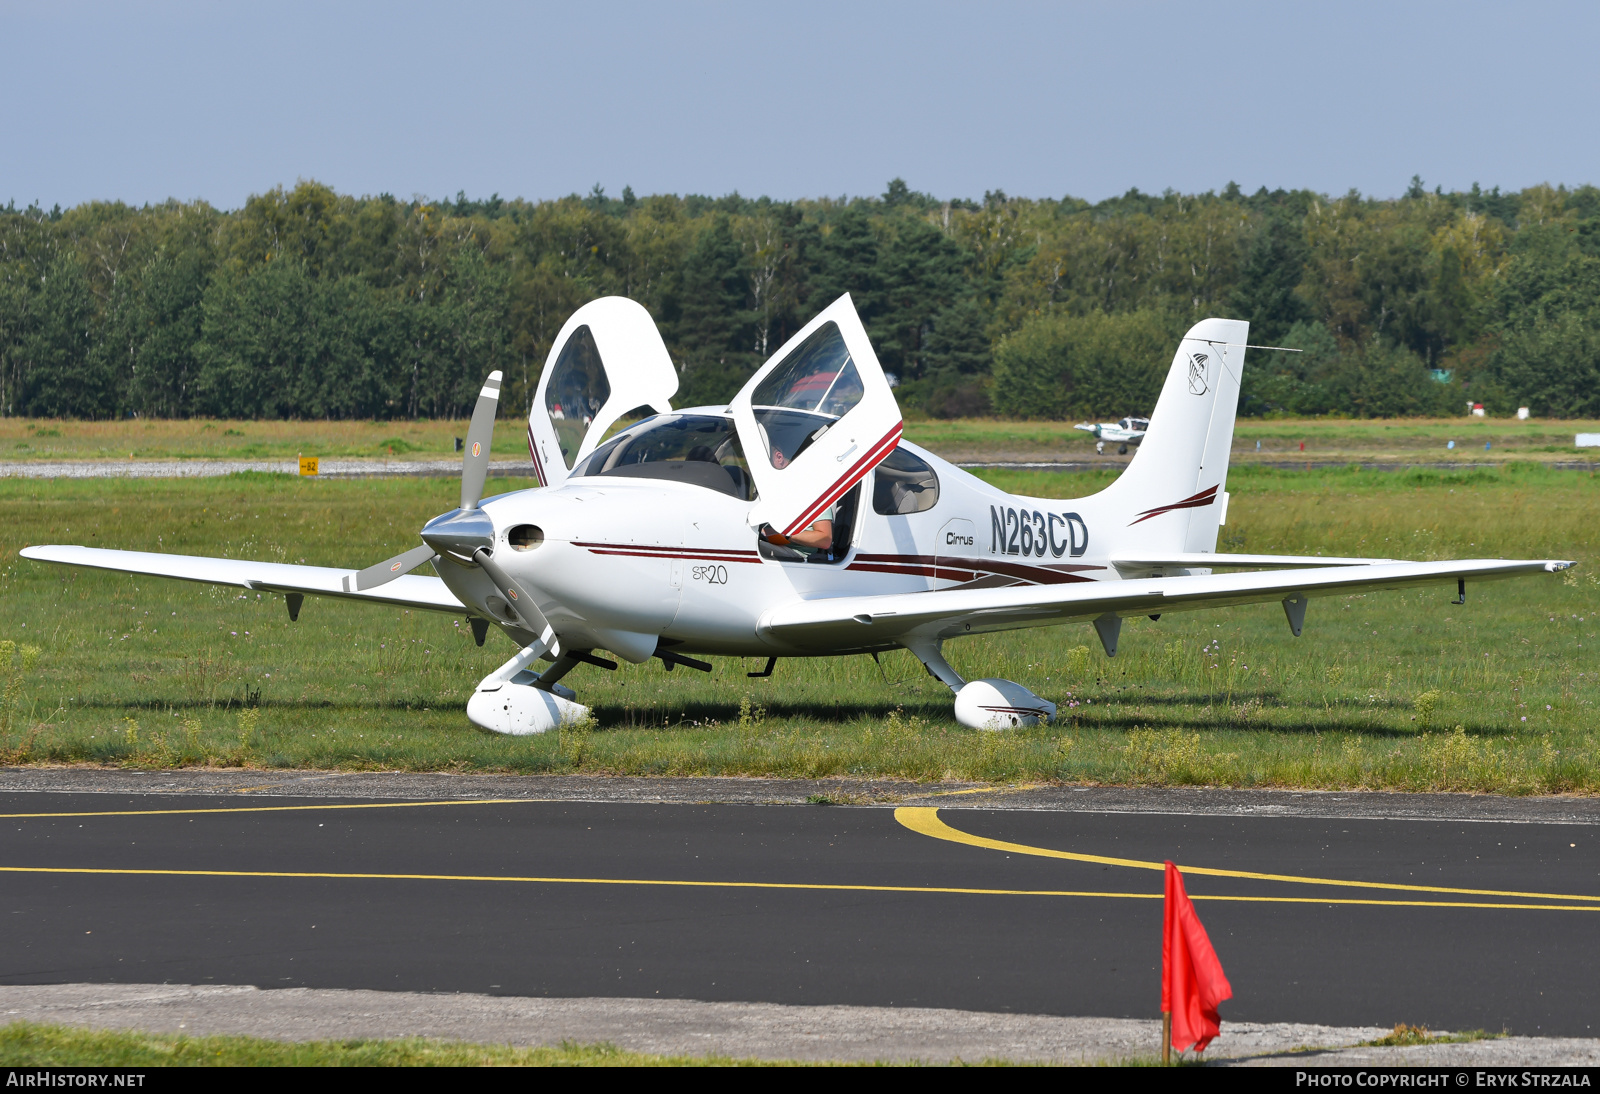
(1000, 755)
(248, 719)
(751, 719)
(207, 674)
(1078, 662)
(1351, 761)
(574, 738)
(1424, 704)
(1164, 756)
(17, 663)
(1403, 1034)
(1175, 659)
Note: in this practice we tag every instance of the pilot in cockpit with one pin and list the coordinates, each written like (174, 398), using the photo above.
(818, 535)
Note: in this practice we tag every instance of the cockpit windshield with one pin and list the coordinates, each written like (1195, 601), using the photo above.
(699, 449)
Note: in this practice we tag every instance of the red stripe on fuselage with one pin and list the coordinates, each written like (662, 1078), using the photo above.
(686, 552)
(533, 454)
(858, 470)
(691, 558)
(915, 571)
(693, 554)
(969, 568)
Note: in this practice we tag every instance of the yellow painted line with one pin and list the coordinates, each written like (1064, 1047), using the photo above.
(266, 808)
(924, 820)
(981, 790)
(788, 885)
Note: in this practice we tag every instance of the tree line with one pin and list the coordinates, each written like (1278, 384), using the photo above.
(306, 303)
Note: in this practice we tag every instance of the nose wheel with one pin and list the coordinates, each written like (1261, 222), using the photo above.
(514, 701)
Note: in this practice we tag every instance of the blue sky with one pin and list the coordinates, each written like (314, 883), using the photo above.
(140, 102)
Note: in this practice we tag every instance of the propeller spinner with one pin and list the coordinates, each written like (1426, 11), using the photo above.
(467, 535)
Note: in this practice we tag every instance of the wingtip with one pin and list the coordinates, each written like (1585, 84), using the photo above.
(1556, 567)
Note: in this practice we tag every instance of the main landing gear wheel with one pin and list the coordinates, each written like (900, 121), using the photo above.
(983, 704)
(1001, 704)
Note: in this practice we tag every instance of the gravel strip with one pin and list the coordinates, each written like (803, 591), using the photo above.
(845, 792)
(761, 1030)
(669, 1026)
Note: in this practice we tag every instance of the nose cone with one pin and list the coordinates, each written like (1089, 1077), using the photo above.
(459, 532)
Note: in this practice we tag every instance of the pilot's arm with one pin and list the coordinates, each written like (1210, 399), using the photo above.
(818, 535)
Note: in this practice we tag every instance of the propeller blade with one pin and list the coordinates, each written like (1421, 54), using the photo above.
(475, 454)
(391, 568)
(521, 603)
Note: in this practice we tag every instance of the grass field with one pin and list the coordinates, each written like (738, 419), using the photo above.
(1396, 690)
(974, 440)
(28, 1044)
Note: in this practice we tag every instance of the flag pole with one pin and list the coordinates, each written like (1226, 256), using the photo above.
(1166, 1038)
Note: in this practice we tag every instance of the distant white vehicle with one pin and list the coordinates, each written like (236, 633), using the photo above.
(1127, 431)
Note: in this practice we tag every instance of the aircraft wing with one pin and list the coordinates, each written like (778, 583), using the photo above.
(1132, 564)
(410, 591)
(863, 621)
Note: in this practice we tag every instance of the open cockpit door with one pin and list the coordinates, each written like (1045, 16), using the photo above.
(607, 360)
(815, 419)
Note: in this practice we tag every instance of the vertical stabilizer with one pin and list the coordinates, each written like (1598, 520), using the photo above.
(1173, 495)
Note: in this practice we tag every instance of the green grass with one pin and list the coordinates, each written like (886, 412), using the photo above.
(28, 1044)
(200, 438)
(32, 1044)
(1396, 691)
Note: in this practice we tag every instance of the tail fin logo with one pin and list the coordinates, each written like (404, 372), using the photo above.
(1193, 501)
(1197, 374)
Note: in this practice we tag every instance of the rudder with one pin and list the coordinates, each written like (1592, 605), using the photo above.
(1174, 492)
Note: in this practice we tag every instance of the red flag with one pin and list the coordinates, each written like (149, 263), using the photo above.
(1192, 983)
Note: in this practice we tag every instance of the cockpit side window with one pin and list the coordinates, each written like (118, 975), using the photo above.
(816, 385)
(904, 483)
(578, 388)
(699, 449)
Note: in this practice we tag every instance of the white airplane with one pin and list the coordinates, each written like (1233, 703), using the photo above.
(795, 522)
(1127, 431)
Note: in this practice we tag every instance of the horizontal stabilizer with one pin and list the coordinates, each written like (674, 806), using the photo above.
(411, 591)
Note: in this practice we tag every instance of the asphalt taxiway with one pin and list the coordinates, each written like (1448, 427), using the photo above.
(1358, 916)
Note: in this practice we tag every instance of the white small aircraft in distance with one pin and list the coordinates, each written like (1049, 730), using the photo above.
(1122, 434)
(795, 522)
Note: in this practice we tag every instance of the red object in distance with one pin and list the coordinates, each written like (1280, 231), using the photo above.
(1192, 982)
